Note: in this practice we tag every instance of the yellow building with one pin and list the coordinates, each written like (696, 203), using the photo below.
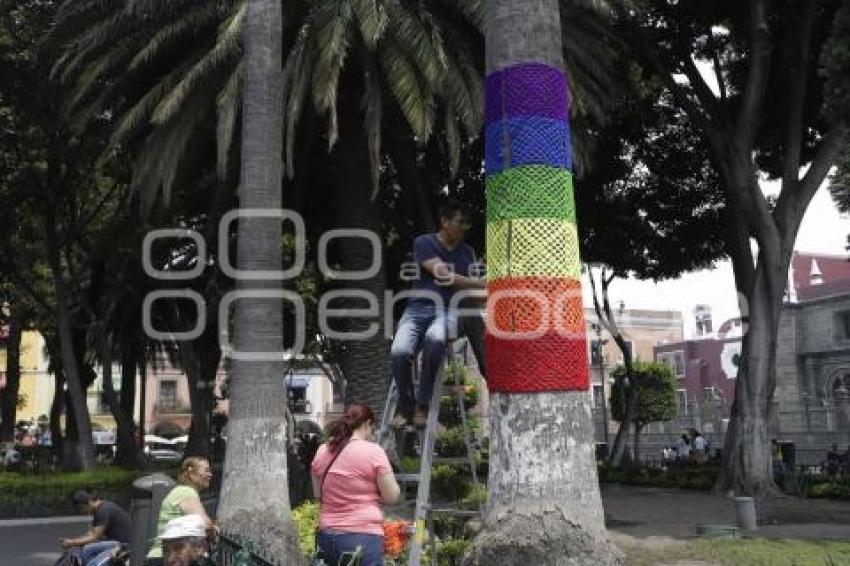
(36, 383)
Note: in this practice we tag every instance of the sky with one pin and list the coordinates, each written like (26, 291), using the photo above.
(824, 230)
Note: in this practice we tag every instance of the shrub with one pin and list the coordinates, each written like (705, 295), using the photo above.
(832, 489)
(306, 517)
(31, 495)
(450, 483)
(699, 478)
(450, 552)
(450, 443)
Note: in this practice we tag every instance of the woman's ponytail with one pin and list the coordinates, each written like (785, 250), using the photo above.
(341, 429)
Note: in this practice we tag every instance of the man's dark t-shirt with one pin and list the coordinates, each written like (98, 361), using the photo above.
(460, 258)
(115, 520)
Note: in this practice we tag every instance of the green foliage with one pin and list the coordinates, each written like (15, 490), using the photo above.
(476, 497)
(410, 465)
(701, 478)
(450, 482)
(24, 495)
(450, 552)
(450, 443)
(306, 517)
(656, 387)
(830, 489)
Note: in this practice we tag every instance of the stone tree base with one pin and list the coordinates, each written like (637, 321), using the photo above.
(544, 539)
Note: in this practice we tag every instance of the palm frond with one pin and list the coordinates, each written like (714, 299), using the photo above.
(412, 95)
(373, 106)
(164, 151)
(189, 24)
(227, 108)
(138, 115)
(416, 33)
(96, 38)
(373, 19)
(296, 80)
(226, 49)
(331, 24)
(452, 139)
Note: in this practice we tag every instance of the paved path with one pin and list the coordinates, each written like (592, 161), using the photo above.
(647, 511)
(33, 542)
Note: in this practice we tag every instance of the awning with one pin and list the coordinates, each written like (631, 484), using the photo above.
(296, 381)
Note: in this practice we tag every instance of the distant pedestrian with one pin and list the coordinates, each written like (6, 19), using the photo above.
(110, 530)
(700, 448)
(683, 449)
(833, 461)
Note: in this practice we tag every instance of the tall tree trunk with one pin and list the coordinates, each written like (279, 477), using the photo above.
(638, 426)
(747, 462)
(143, 396)
(254, 497)
(9, 395)
(128, 383)
(130, 455)
(81, 448)
(364, 363)
(544, 505)
(56, 439)
(621, 441)
(200, 359)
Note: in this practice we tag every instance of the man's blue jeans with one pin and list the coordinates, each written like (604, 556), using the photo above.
(337, 548)
(426, 327)
(97, 553)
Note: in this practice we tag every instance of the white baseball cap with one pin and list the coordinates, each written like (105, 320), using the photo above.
(185, 526)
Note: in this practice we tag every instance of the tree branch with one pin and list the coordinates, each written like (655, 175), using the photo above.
(799, 64)
(718, 70)
(751, 106)
(701, 89)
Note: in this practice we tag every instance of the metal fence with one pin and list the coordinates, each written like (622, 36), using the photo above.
(231, 550)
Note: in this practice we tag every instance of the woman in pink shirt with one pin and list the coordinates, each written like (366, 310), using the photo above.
(351, 478)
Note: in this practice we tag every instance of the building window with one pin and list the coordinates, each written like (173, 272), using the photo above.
(597, 396)
(842, 320)
(167, 395)
(682, 401)
(596, 355)
(676, 361)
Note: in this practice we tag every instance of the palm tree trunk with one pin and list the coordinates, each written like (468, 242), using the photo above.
(544, 505)
(9, 395)
(254, 498)
(364, 363)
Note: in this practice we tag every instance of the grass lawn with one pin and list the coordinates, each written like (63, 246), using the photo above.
(767, 552)
(739, 552)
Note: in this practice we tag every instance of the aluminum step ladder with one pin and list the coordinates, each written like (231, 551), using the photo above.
(422, 522)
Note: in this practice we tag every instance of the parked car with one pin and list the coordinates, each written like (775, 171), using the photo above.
(159, 449)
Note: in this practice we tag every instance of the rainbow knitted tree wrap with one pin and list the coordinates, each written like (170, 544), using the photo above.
(535, 320)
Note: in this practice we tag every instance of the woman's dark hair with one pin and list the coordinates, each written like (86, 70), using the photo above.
(342, 428)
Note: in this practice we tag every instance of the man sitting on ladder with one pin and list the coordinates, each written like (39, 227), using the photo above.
(445, 265)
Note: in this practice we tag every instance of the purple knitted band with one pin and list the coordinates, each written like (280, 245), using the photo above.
(528, 89)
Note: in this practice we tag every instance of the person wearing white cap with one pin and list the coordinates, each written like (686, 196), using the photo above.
(184, 541)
